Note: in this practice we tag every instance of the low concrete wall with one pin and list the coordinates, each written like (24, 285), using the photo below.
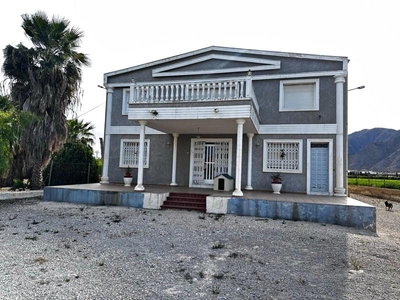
(6, 195)
(102, 197)
(381, 193)
(352, 215)
(154, 200)
(93, 197)
(217, 205)
(346, 215)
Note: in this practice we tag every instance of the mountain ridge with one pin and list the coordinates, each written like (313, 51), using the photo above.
(376, 149)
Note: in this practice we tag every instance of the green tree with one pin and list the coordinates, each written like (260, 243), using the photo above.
(12, 122)
(6, 135)
(71, 165)
(45, 80)
(79, 131)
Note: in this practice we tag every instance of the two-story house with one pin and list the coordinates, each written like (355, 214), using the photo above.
(186, 119)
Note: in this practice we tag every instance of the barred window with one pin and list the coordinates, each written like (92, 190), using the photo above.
(130, 153)
(283, 156)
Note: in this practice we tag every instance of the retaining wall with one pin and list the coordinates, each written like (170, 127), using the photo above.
(7, 195)
(389, 194)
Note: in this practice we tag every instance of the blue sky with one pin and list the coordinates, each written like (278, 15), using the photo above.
(121, 34)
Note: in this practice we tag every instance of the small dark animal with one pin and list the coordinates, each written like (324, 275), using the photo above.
(388, 205)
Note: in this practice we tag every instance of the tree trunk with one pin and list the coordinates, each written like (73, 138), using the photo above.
(17, 170)
(37, 177)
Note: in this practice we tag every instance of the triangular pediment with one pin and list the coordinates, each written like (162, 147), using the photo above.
(219, 60)
(246, 63)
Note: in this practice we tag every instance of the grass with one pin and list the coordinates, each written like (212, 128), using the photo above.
(40, 260)
(375, 182)
(355, 264)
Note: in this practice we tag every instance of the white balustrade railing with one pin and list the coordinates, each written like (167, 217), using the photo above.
(190, 91)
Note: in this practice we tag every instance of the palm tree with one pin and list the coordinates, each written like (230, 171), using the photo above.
(45, 80)
(81, 132)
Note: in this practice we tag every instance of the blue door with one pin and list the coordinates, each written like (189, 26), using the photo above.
(319, 168)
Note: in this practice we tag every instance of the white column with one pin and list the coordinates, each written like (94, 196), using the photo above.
(106, 158)
(139, 186)
(249, 161)
(339, 188)
(239, 150)
(174, 156)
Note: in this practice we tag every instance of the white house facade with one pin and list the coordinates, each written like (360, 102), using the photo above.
(187, 119)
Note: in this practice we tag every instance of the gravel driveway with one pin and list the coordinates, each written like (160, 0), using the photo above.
(51, 250)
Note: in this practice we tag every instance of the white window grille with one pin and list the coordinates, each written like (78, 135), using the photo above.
(125, 100)
(302, 94)
(130, 153)
(283, 156)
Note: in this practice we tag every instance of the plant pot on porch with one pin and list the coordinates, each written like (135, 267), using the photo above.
(128, 180)
(276, 183)
(276, 187)
(128, 177)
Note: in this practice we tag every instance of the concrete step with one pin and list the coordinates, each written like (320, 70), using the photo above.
(186, 201)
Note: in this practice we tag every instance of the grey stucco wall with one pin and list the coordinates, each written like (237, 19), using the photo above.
(267, 93)
(160, 160)
(160, 165)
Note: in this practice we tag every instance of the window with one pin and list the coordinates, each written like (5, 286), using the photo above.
(130, 153)
(283, 156)
(299, 95)
(125, 100)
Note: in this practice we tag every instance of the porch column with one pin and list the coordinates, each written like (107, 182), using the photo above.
(239, 150)
(249, 161)
(339, 188)
(139, 186)
(106, 158)
(173, 183)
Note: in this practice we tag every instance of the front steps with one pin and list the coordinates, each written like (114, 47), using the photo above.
(186, 201)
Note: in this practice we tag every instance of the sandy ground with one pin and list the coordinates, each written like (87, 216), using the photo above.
(52, 250)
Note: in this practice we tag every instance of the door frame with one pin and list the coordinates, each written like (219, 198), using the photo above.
(211, 140)
(330, 164)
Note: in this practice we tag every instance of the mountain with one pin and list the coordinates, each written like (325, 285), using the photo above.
(376, 149)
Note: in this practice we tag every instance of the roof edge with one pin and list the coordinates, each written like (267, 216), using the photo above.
(228, 49)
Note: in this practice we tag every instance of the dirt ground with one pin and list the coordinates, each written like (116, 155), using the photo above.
(51, 250)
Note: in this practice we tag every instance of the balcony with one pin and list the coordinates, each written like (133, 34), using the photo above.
(194, 106)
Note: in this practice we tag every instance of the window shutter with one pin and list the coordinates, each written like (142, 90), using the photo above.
(299, 96)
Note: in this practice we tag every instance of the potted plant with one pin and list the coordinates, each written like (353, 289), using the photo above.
(276, 183)
(128, 177)
(282, 154)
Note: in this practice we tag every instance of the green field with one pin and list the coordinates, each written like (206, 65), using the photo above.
(375, 182)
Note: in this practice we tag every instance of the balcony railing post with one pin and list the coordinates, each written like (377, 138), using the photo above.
(182, 92)
(249, 85)
(187, 91)
(132, 91)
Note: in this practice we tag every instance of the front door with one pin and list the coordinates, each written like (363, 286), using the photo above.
(209, 158)
(319, 168)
